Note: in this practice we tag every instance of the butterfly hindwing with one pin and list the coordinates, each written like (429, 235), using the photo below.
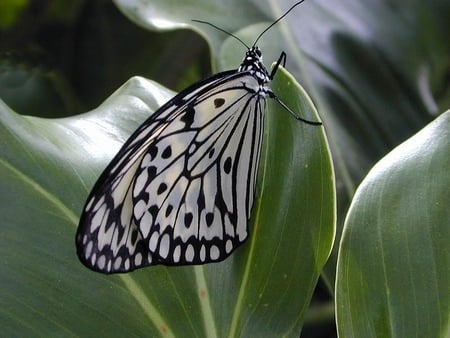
(180, 190)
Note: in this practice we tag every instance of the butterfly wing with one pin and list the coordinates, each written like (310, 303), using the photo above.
(181, 189)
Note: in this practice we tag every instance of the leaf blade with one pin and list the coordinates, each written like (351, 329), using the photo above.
(396, 276)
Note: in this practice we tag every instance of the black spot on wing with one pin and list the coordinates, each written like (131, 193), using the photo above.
(219, 102)
(227, 165)
(209, 218)
(153, 151)
(162, 187)
(188, 117)
(169, 210)
(167, 152)
(188, 220)
(152, 170)
(153, 210)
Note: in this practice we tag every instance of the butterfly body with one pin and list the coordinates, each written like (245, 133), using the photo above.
(181, 189)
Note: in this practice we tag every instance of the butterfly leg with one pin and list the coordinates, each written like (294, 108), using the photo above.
(289, 110)
(282, 61)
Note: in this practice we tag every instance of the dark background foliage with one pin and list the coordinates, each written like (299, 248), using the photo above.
(68, 56)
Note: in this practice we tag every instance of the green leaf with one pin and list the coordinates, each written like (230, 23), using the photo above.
(167, 15)
(394, 263)
(26, 86)
(48, 167)
(10, 10)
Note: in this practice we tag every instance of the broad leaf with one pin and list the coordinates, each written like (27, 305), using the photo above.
(394, 263)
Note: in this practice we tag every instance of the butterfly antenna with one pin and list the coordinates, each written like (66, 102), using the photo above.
(276, 21)
(223, 30)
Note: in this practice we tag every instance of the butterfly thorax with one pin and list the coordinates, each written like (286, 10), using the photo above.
(252, 62)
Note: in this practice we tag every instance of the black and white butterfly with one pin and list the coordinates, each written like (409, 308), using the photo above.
(181, 189)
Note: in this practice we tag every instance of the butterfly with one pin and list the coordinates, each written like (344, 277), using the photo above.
(180, 191)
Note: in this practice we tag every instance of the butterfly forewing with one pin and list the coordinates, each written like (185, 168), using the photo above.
(180, 190)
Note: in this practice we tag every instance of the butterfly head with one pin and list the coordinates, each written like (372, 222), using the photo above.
(253, 63)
